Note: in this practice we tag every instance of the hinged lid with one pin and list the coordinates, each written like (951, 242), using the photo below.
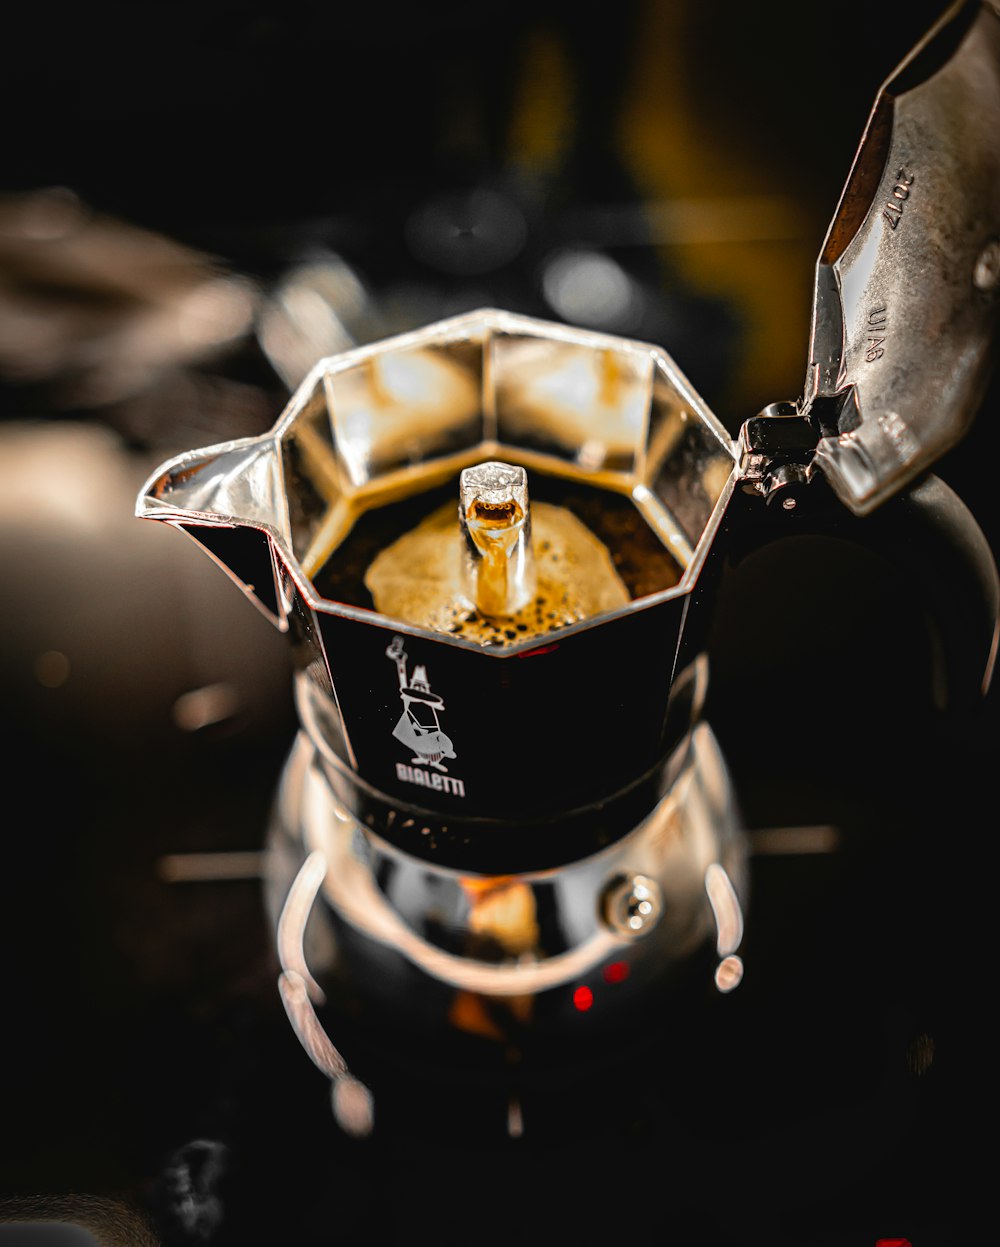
(907, 284)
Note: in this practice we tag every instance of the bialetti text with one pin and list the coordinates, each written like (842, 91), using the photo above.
(430, 779)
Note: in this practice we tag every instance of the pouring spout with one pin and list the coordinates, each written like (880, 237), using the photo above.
(234, 483)
(230, 500)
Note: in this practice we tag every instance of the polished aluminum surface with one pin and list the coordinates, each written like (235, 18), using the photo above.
(906, 306)
(653, 897)
(422, 941)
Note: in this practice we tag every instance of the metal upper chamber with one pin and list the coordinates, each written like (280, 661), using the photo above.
(375, 425)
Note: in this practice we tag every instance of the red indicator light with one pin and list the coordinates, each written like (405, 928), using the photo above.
(617, 972)
(583, 998)
(893, 1242)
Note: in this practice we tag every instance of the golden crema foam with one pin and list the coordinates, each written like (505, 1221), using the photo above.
(419, 579)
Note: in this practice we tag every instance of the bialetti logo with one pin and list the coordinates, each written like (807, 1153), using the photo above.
(419, 729)
(428, 779)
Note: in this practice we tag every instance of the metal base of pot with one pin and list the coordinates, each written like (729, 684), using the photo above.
(360, 925)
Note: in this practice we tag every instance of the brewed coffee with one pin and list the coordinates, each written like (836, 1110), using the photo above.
(594, 552)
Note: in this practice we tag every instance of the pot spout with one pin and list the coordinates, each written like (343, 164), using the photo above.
(229, 500)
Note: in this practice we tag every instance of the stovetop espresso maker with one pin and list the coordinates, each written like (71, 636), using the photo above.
(494, 544)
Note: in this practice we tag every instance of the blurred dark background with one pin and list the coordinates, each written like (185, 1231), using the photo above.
(197, 201)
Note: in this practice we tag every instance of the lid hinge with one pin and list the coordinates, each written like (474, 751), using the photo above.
(776, 449)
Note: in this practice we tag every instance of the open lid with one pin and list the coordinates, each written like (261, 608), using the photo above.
(907, 284)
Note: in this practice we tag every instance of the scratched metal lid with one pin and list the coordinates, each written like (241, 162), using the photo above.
(908, 282)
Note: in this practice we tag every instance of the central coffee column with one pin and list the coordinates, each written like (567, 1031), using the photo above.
(494, 514)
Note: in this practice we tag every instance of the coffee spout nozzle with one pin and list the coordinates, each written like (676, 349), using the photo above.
(495, 517)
